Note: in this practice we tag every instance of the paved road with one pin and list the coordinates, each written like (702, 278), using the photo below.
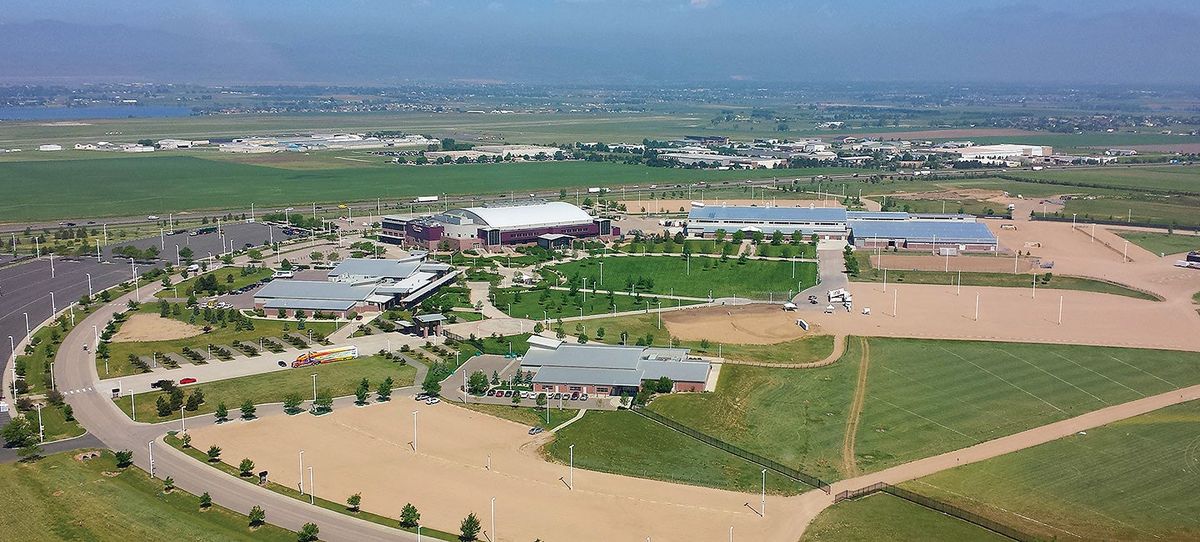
(84, 441)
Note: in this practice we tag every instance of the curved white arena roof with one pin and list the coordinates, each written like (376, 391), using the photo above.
(554, 213)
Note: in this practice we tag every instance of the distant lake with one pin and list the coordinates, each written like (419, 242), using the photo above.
(99, 112)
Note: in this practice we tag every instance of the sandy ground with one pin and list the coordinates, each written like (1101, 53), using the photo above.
(741, 324)
(368, 450)
(152, 327)
(982, 264)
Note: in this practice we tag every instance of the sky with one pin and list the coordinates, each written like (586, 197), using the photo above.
(1149, 42)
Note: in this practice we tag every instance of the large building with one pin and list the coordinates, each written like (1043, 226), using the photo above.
(999, 152)
(865, 229)
(473, 227)
(357, 285)
(609, 370)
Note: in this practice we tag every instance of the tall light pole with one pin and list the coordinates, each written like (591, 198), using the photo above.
(312, 487)
(301, 472)
(41, 428)
(763, 498)
(89, 277)
(314, 377)
(182, 421)
(414, 413)
(26, 324)
(150, 445)
(571, 472)
(493, 533)
(53, 307)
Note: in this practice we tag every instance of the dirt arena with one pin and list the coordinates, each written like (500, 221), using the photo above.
(978, 264)
(740, 324)
(152, 327)
(368, 450)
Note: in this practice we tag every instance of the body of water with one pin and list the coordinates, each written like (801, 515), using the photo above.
(99, 112)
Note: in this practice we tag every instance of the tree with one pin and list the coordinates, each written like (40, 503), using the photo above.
(248, 410)
(246, 467)
(354, 501)
(18, 432)
(516, 399)
(362, 392)
(664, 385)
(222, 412)
(384, 391)
(187, 440)
(495, 378)
(124, 458)
(186, 253)
(291, 403)
(308, 533)
(541, 399)
(409, 516)
(258, 516)
(324, 402)
(194, 400)
(162, 406)
(214, 453)
(477, 383)
(205, 501)
(469, 529)
(431, 385)
(168, 484)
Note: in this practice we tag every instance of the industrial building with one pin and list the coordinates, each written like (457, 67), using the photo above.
(609, 370)
(999, 152)
(723, 160)
(865, 229)
(474, 227)
(356, 285)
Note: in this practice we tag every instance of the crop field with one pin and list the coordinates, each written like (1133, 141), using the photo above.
(1133, 479)
(1153, 209)
(925, 397)
(341, 379)
(59, 498)
(751, 278)
(1175, 179)
(163, 184)
(622, 442)
(884, 517)
(1161, 243)
(796, 417)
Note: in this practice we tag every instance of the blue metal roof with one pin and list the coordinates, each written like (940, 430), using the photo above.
(950, 231)
(769, 214)
(877, 215)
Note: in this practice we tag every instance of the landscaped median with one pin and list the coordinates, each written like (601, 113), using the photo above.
(337, 379)
(203, 456)
(1010, 280)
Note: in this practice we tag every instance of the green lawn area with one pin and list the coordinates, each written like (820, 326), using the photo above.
(57, 426)
(668, 246)
(119, 364)
(340, 378)
(59, 498)
(925, 397)
(751, 278)
(1010, 280)
(184, 287)
(1178, 179)
(808, 349)
(534, 304)
(795, 417)
(496, 345)
(524, 415)
(163, 184)
(1131, 480)
(785, 250)
(1138, 208)
(1161, 243)
(625, 443)
(883, 517)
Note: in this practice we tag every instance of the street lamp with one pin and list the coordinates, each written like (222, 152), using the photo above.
(301, 472)
(89, 277)
(571, 472)
(414, 413)
(314, 377)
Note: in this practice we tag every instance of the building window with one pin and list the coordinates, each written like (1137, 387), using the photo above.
(575, 388)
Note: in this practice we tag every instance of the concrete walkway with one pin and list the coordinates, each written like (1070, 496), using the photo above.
(831, 275)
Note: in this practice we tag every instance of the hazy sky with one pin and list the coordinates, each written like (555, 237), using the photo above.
(599, 41)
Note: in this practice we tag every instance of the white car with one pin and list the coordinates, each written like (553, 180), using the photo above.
(432, 401)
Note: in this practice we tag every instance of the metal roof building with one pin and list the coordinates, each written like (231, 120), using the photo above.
(609, 369)
(366, 269)
(924, 231)
(826, 222)
(554, 213)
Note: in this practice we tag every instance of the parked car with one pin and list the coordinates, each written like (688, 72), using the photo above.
(508, 393)
(557, 395)
(583, 397)
(420, 397)
(188, 380)
(432, 401)
(281, 363)
(574, 396)
(535, 430)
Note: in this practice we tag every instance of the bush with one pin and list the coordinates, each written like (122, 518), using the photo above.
(124, 458)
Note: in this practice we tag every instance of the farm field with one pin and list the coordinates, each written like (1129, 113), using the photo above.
(1151, 209)
(1167, 178)
(136, 185)
(795, 417)
(523, 303)
(925, 397)
(1130, 480)
(1010, 280)
(60, 498)
(1161, 243)
(341, 379)
(752, 278)
(623, 442)
(883, 517)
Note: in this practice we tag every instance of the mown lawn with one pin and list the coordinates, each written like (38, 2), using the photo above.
(59, 498)
(643, 326)
(758, 279)
(622, 442)
(184, 287)
(1131, 480)
(553, 304)
(883, 517)
(340, 378)
(525, 415)
(1161, 243)
(57, 426)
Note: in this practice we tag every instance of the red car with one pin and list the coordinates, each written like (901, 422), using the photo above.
(188, 380)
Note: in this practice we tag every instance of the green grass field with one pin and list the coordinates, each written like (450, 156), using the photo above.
(753, 278)
(884, 517)
(1161, 243)
(1130, 480)
(785, 250)
(163, 184)
(925, 397)
(1009, 280)
(1146, 209)
(340, 379)
(184, 287)
(1177, 179)
(57, 426)
(622, 442)
(796, 417)
(536, 304)
(805, 350)
(59, 498)
(524, 415)
(119, 364)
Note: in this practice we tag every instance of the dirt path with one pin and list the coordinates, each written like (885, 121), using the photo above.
(849, 463)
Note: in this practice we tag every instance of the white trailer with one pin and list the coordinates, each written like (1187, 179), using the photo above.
(425, 199)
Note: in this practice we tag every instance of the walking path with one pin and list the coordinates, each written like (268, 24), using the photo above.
(849, 461)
